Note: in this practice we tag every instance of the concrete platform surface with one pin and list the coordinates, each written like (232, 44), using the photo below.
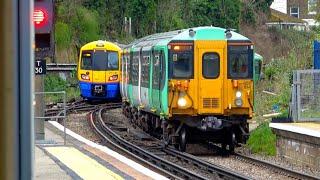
(79, 160)
(306, 128)
(46, 168)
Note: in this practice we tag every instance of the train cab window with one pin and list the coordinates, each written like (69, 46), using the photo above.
(210, 65)
(100, 60)
(182, 62)
(113, 63)
(240, 60)
(86, 61)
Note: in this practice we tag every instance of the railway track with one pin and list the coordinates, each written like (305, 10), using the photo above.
(79, 105)
(276, 168)
(156, 156)
(174, 163)
(264, 164)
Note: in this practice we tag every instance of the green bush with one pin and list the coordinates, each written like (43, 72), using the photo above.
(262, 140)
(53, 83)
(63, 35)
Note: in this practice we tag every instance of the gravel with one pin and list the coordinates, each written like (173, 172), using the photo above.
(79, 124)
(252, 171)
(281, 162)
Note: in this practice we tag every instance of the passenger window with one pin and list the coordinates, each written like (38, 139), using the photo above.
(86, 61)
(113, 63)
(210, 65)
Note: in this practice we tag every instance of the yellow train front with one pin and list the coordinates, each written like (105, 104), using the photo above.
(98, 71)
(198, 87)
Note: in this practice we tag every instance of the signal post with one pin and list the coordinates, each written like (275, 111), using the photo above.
(44, 51)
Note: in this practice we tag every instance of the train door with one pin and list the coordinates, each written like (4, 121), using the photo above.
(145, 82)
(99, 66)
(123, 82)
(156, 74)
(210, 79)
(126, 80)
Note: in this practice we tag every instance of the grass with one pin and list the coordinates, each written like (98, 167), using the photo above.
(54, 83)
(262, 140)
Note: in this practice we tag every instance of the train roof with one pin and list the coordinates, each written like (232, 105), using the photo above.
(201, 33)
(100, 44)
(258, 56)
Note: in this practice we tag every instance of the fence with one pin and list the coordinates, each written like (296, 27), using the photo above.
(305, 104)
(316, 55)
(40, 97)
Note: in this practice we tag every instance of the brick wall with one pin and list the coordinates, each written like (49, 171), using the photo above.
(299, 151)
(303, 8)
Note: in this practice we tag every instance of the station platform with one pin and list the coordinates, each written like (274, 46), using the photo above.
(298, 142)
(82, 159)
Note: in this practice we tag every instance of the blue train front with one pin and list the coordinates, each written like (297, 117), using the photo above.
(98, 71)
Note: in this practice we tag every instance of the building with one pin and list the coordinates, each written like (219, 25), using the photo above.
(302, 9)
(279, 5)
(285, 21)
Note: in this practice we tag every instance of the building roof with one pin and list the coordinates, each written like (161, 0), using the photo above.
(279, 17)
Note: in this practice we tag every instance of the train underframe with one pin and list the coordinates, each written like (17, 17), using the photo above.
(182, 130)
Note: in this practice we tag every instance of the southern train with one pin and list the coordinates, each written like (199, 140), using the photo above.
(190, 86)
(99, 71)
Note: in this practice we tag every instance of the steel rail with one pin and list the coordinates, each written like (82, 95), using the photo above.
(289, 172)
(102, 133)
(212, 168)
(161, 163)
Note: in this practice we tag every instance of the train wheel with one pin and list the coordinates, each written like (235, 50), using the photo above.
(233, 142)
(183, 139)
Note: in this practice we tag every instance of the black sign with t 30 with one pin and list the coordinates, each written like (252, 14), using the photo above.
(40, 67)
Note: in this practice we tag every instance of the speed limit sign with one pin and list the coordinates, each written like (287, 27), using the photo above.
(40, 67)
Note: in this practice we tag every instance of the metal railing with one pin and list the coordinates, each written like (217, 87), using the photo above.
(61, 115)
(61, 67)
(305, 104)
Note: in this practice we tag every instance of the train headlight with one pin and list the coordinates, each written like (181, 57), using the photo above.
(184, 102)
(113, 78)
(238, 94)
(238, 102)
(85, 77)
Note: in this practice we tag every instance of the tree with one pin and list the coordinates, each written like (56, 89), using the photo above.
(169, 15)
(75, 25)
(143, 14)
(221, 13)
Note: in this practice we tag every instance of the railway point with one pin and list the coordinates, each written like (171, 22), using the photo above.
(82, 159)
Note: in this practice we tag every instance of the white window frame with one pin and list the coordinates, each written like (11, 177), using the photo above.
(295, 13)
(312, 12)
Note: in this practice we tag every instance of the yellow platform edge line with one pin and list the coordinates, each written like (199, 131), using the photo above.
(81, 164)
